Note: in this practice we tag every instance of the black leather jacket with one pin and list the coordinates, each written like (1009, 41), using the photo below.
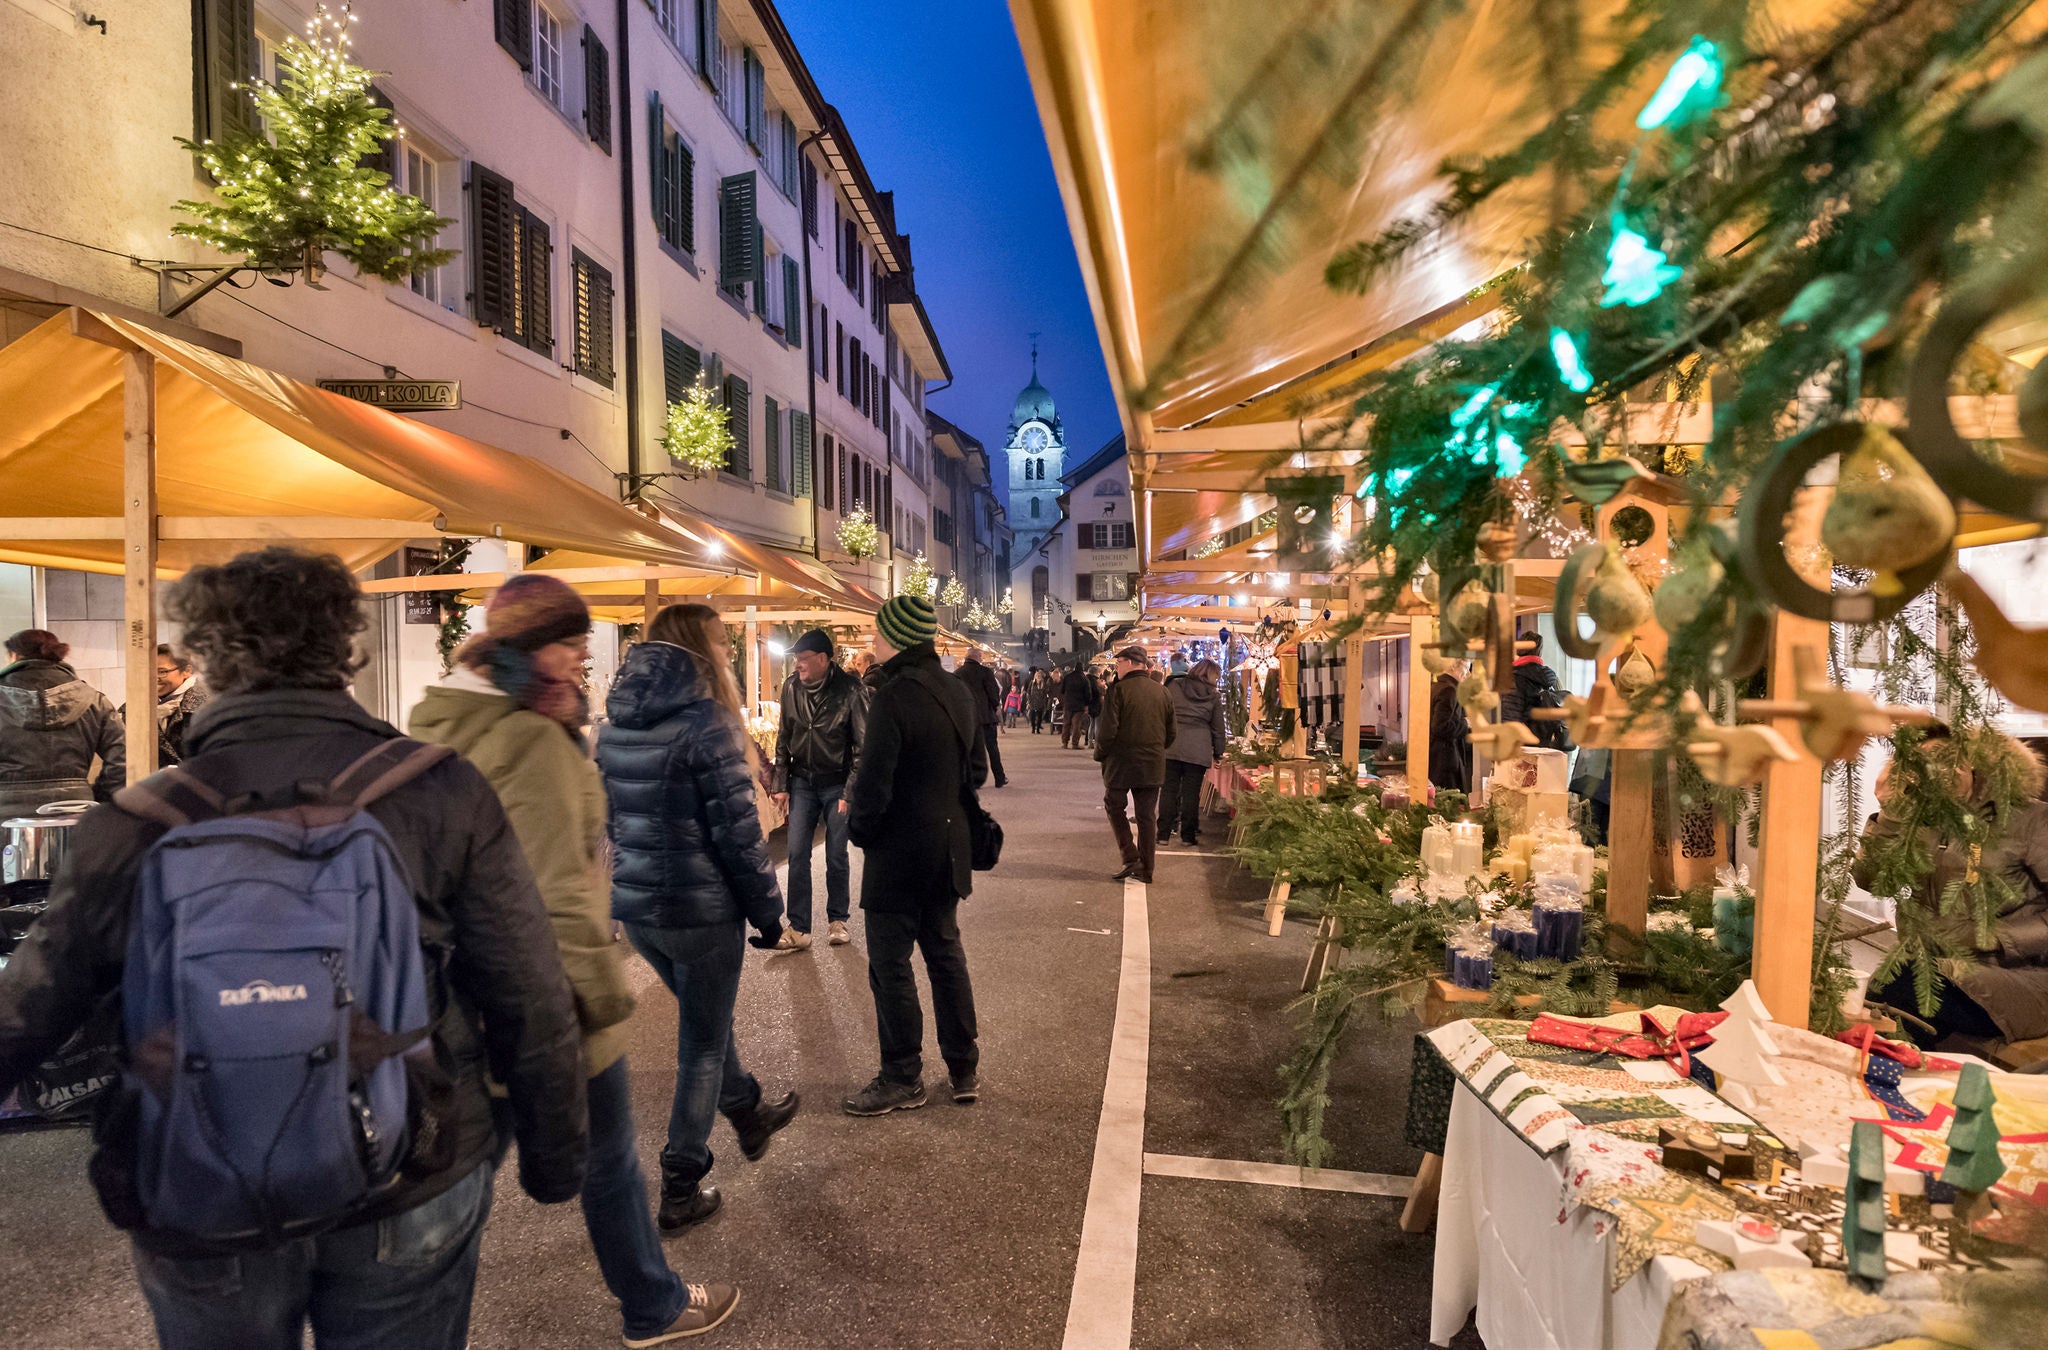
(822, 731)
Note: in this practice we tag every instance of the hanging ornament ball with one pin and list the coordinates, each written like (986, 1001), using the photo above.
(1430, 590)
(1634, 674)
(1476, 693)
(1682, 596)
(1304, 514)
(1469, 610)
(1887, 513)
(1616, 601)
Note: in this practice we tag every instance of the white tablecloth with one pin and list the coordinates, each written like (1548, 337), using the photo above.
(1506, 1245)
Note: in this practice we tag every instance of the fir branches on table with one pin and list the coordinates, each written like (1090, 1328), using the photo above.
(303, 182)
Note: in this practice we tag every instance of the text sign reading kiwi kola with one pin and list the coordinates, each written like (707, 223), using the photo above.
(400, 395)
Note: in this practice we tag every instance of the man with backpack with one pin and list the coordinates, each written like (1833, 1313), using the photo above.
(1536, 687)
(323, 936)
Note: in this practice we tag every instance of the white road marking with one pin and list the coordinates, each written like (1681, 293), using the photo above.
(1275, 1174)
(1106, 1268)
(1099, 932)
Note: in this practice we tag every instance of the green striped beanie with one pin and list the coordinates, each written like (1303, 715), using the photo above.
(906, 621)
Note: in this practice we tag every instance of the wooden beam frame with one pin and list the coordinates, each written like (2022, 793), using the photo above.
(231, 529)
(138, 556)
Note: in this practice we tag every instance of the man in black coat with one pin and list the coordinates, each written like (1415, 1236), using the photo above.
(987, 691)
(824, 717)
(1077, 691)
(909, 818)
(273, 633)
(1450, 747)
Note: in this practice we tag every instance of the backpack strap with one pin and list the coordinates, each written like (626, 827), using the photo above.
(384, 769)
(176, 796)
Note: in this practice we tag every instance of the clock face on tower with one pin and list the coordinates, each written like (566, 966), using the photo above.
(1035, 438)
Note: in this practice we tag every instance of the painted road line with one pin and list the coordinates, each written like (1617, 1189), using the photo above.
(1276, 1174)
(1106, 1269)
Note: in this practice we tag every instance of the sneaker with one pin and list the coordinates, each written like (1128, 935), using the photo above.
(685, 1205)
(794, 940)
(756, 1127)
(840, 937)
(966, 1088)
(709, 1305)
(881, 1096)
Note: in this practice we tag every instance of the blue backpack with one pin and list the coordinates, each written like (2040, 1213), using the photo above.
(273, 990)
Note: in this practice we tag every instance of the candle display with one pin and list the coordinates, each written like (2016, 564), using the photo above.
(1468, 848)
(1560, 926)
(1514, 931)
(1734, 930)
(1468, 959)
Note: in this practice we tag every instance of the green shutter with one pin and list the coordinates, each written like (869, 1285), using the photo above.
(682, 180)
(707, 41)
(771, 441)
(514, 20)
(680, 364)
(592, 298)
(739, 235)
(792, 302)
(738, 409)
(757, 97)
(657, 152)
(800, 451)
(597, 90)
(493, 268)
(537, 276)
(224, 54)
(761, 281)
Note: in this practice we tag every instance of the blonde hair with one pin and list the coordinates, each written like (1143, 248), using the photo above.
(700, 631)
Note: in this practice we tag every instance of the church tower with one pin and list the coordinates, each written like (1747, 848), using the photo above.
(1038, 456)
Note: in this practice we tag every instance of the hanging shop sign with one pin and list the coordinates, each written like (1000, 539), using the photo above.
(400, 395)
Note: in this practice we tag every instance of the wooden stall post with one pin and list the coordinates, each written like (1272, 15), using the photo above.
(1354, 679)
(1788, 852)
(139, 547)
(753, 662)
(1632, 821)
(1421, 630)
(650, 605)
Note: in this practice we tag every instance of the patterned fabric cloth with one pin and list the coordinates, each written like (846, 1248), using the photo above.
(1430, 1087)
(1809, 1309)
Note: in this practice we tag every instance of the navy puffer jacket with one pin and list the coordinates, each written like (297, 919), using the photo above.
(686, 836)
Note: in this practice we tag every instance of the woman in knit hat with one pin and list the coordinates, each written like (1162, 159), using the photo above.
(515, 707)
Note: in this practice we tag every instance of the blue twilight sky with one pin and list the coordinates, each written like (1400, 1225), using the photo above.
(935, 94)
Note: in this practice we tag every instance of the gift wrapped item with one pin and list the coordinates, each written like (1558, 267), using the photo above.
(1560, 920)
(1468, 848)
(1550, 769)
(1468, 958)
(1394, 791)
(1514, 931)
(1525, 810)
(1733, 929)
(1404, 894)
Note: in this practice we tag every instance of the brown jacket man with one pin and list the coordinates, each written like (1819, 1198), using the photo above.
(1130, 743)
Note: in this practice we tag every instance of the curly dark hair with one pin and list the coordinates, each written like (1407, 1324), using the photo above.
(272, 619)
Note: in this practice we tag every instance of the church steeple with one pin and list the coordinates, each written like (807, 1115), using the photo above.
(1038, 451)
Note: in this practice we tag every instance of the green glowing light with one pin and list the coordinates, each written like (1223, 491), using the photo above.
(1508, 456)
(1472, 407)
(1571, 367)
(1688, 86)
(1637, 272)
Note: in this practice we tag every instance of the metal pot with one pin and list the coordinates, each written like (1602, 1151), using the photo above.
(32, 846)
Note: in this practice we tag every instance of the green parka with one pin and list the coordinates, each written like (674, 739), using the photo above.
(552, 794)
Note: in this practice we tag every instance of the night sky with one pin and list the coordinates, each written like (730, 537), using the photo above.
(935, 94)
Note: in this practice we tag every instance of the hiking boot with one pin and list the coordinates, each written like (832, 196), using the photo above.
(709, 1305)
(794, 940)
(840, 937)
(756, 1127)
(966, 1088)
(684, 1204)
(881, 1096)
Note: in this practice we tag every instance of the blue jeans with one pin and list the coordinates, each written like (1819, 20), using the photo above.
(701, 967)
(403, 1283)
(808, 805)
(615, 1211)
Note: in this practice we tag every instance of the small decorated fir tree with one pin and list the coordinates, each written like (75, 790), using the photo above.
(697, 434)
(857, 534)
(1863, 1215)
(303, 182)
(1742, 1053)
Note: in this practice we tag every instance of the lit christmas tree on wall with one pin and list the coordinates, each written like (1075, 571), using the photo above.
(302, 184)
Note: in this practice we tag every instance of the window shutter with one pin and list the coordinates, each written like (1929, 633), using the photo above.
(828, 474)
(760, 275)
(597, 90)
(493, 268)
(593, 301)
(1084, 586)
(657, 151)
(889, 498)
(223, 55)
(739, 240)
(839, 352)
(737, 408)
(807, 172)
(771, 442)
(792, 303)
(800, 451)
(757, 96)
(538, 275)
(845, 498)
(680, 363)
(707, 41)
(515, 30)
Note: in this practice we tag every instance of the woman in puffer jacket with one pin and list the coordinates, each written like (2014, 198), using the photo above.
(1990, 992)
(690, 872)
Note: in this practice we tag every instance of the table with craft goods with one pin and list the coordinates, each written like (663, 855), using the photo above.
(1561, 1224)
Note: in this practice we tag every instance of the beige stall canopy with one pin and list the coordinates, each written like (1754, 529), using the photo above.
(245, 454)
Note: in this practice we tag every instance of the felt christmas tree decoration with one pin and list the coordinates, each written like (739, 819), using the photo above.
(1863, 1216)
(1742, 1053)
(1973, 1162)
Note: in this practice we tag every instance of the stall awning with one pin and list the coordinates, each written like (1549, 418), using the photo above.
(246, 454)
